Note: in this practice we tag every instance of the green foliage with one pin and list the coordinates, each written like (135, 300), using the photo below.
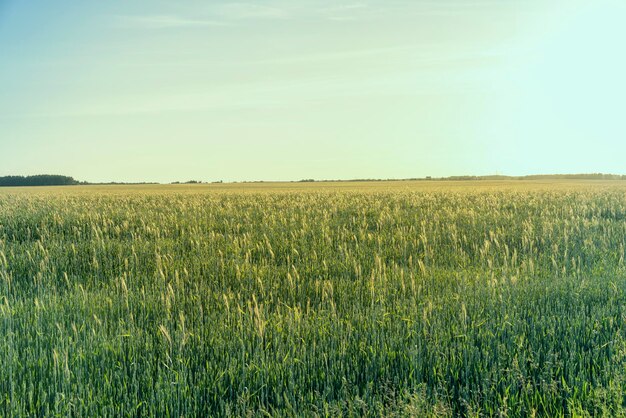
(38, 180)
(317, 303)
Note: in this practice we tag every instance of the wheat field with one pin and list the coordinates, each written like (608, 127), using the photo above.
(320, 299)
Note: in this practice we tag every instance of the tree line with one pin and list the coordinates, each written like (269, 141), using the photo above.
(37, 180)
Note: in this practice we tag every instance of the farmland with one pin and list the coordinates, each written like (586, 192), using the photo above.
(322, 299)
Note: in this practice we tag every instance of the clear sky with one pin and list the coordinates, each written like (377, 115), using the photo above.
(150, 90)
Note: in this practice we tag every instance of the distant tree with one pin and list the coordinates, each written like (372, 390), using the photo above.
(38, 180)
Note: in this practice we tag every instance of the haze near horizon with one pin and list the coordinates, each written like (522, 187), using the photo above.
(285, 90)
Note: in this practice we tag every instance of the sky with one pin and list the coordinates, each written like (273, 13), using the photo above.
(150, 90)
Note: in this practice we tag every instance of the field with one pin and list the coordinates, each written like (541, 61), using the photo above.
(322, 299)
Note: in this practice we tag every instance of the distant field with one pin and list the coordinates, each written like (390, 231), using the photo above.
(465, 186)
(406, 298)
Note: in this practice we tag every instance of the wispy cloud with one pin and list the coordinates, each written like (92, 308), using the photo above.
(167, 21)
(345, 11)
(250, 11)
(223, 14)
(215, 15)
(426, 77)
(346, 7)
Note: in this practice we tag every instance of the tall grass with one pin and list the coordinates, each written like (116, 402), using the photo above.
(325, 303)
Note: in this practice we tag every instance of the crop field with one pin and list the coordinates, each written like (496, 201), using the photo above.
(323, 299)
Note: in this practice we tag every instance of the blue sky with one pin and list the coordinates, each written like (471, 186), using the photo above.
(284, 90)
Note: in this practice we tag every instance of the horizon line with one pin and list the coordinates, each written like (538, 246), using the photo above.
(466, 177)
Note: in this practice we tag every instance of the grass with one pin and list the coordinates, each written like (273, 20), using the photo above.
(334, 299)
